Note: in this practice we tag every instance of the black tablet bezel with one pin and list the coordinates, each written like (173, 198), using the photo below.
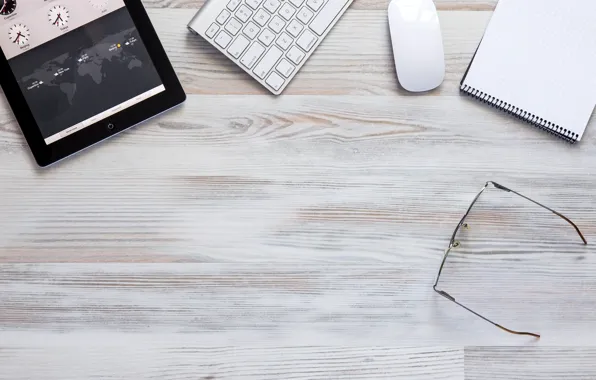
(47, 154)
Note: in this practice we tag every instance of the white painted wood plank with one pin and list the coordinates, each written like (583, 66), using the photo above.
(301, 305)
(290, 179)
(191, 360)
(505, 363)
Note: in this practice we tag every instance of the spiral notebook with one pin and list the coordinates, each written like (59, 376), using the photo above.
(537, 61)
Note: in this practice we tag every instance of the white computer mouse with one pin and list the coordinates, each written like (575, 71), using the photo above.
(417, 44)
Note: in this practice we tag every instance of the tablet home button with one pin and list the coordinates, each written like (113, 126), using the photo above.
(110, 126)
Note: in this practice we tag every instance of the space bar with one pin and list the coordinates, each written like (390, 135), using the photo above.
(327, 15)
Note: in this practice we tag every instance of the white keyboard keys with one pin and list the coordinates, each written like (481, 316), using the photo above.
(243, 13)
(251, 30)
(284, 41)
(305, 15)
(295, 55)
(268, 61)
(315, 4)
(223, 17)
(223, 39)
(254, 4)
(277, 24)
(329, 12)
(294, 28)
(267, 37)
(272, 5)
(275, 81)
(261, 17)
(212, 30)
(287, 11)
(285, 68)
(238, 46)
(307, 40)
(233, 26)
(252, 55)
(233, 4)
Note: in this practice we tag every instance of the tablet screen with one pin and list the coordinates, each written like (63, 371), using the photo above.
(77, 62)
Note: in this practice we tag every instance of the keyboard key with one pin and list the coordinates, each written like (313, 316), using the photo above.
(254, 4)
(295, 55)
(307, 40)
(294, 28)
(285, 68)
(329, 12)
(316, 4)
(297, 3)
(284, 41)
(233, 4)
(271, 5)
(251, 30)
(223, 39)
(275, 81)
(238, 46)
(268, 61)
(277, 24)
(212, 30)
(287, 11)
(252, 55)
(305, 15)
(261, 17)
(267, 37)
(233, 26)
(223, 17)
(243, 13)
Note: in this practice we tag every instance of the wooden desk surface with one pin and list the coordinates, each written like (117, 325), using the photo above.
(296, 237)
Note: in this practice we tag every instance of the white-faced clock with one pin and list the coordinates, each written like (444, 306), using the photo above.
(58, 15)
(19, 34)
(99, 4)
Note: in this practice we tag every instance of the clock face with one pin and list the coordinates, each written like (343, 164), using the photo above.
(19, 34)
(58, 15)
(99, 4)
(7, 7)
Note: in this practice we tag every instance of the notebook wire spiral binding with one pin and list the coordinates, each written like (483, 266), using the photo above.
(521, 114)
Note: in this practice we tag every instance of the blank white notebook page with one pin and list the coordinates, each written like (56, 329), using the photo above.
(540, 56)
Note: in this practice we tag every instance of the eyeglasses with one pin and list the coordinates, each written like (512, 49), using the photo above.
(454, 244)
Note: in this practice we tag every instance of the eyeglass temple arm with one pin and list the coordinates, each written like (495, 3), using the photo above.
(501, 187)
(452, 299)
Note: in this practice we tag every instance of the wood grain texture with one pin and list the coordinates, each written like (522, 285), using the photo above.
(530, 363)
(245, 236)
(296, 178)
(299, 305)
(176, 361)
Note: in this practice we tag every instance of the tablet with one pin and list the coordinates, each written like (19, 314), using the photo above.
(76, 72)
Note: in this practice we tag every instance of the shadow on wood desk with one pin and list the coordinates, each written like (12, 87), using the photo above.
(296, 237)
